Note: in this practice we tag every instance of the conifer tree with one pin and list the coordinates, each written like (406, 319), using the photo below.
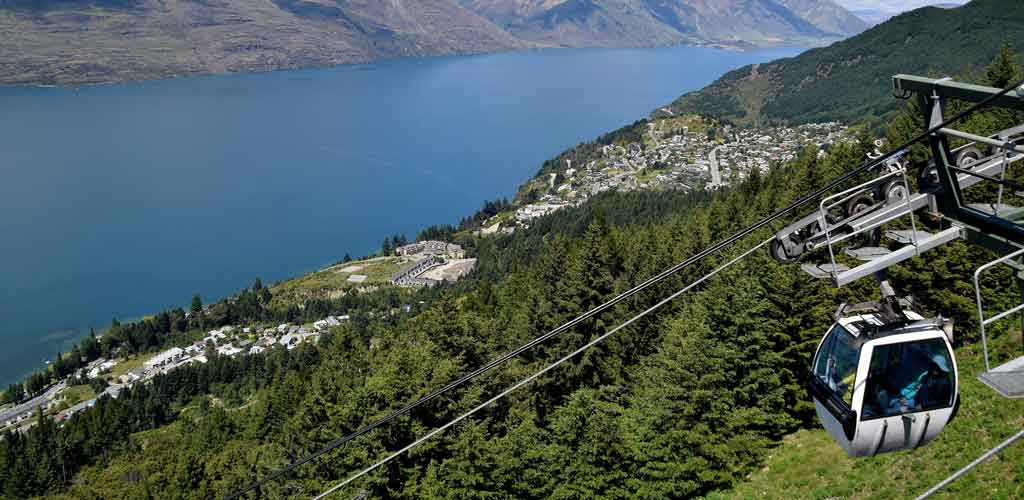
(1005, 68)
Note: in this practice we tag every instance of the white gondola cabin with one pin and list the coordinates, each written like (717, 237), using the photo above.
(881, 386)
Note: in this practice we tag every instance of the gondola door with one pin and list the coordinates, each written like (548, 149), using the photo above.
(909, 392)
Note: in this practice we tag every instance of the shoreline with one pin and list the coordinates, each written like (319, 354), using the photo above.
(739, 46)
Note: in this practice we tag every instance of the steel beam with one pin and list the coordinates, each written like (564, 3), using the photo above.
(982, 139)
(897, 256)
(957, 90)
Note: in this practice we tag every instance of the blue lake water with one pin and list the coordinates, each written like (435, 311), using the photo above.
(121, 200)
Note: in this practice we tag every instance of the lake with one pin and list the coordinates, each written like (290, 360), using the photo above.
(122, 200)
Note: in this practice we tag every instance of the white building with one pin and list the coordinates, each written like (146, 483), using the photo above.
(432, 247)
(131, 376)
(228, 350)
(289, 341)
(164, 358)
(101, 368)
(215, 336)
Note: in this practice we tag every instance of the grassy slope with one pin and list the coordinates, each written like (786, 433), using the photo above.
(334, 279)
(126, 365)
(809, 465)
(78, 393)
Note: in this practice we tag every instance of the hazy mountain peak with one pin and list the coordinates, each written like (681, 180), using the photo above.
(655, 22)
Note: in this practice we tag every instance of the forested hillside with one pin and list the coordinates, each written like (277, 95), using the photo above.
(850, 80)
(686, 402)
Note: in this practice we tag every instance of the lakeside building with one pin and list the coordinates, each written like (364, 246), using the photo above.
(433, 248)
(228, 350)
(409, 276)
(132, 376)
(164, 358)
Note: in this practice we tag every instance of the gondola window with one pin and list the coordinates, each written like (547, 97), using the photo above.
(908, 377)
(836, 365)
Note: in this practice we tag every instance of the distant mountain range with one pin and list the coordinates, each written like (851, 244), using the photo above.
(577, 23)
(92, 41)
(88, 41)
(850, 80)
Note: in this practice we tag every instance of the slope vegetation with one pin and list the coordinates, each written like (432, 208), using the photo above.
(809, 465)
(849, 80)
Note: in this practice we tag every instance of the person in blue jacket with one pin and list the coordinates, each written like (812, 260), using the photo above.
(928, 389)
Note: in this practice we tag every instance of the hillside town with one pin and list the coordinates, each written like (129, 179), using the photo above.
(228, 341)
(424, 263)
(683, 152)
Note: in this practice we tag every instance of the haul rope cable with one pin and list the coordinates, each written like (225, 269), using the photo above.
(625, 295)
(546, 369)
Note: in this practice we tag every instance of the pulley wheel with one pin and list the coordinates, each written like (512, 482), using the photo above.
(779, 253)
(968, 157)
(858, 205)
(894, 192)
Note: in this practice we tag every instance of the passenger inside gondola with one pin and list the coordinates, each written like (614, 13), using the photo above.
(908, 377)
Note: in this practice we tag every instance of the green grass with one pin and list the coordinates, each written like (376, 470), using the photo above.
(377, 271)
(185, 339)
(501, 217)
(71, 396)
(751, 93)
(77, 393)
(809, 465)
(126, 365)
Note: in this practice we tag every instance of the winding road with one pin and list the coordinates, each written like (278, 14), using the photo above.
(31, 405)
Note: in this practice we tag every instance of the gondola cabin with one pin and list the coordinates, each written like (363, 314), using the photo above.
(881, 386)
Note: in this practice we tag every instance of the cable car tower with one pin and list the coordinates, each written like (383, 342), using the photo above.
(884, 378)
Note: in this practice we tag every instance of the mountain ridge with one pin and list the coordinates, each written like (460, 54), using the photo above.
(72, 42)
(572, 23)
(848, 80)
(99, 41)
